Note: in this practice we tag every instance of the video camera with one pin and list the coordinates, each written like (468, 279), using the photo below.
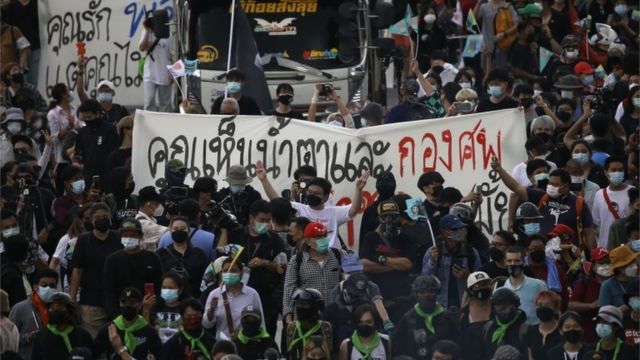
(174, 195)
(158, 22)
(603, 102)
(218, 216)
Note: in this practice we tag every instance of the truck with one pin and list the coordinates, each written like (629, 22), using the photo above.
(300, 42)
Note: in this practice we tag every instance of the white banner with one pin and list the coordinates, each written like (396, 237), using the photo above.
(110, 30)
(460, 148)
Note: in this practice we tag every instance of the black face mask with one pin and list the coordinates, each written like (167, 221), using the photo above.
(92, 124)
(542, 184)
(306, 314)
(531, 37)
(572, 336)
(496, 254)
(526, 102)
(364, 330)
(515, 270)
(575, 187)
(285, 99)
(180, 236)
(427, 304)
(564, 116)
(102, 225)
(313, 200)
(88, 225)
(17, 78)
(129, 312)
(251, 328)
(537, 256)
(57, 317)
(482, 294)
(506, 316)
(386, 189)
(19, 153)
(437, 69)
(544, 136)
(437, 190)
(545, 313)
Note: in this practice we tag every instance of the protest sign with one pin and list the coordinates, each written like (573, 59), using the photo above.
(460, 148)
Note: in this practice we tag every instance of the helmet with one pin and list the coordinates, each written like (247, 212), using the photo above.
(309, 296)
(462, 210)
(64, 299)
(605, 35)
(528, 211)
(426, 282)
(503, 296)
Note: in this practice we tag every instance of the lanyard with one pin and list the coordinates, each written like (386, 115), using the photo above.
(616, 351)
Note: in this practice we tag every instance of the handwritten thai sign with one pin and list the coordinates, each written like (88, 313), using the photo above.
(110, 30)
(460, 148)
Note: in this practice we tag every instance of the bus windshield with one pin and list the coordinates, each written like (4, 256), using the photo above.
(305, 31)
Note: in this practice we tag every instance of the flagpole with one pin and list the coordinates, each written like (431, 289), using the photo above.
(233, 13)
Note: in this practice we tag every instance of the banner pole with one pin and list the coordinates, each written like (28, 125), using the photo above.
(233, 13)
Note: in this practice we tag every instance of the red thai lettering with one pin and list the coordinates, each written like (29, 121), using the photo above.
(405, 146)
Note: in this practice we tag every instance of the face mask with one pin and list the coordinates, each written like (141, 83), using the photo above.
(427, 304)
(129, 312)
(515, 270)
(364, 330)
(10, 232)
(482, 294)
(571, 54)
(169, 295)
(14, 127)
(582, 158)
(429, 18)
(180, 236)
(496, 254)
(545, 313)
(459, 235)
(566, 94)
(577, 179)
(130, 243)
(634, 244)
(234, 87)
(537, 256)
(261, 228)
(553, 191)
(564, 116)
(636, 102)
(313, 200)
(634, 303)
(250, 328)
(465, 85)
(158, 211)
(102, 225)
(72, 96)
(230, 278)
(588, 80)
(603, 330)
(192, 323)
(57, 317)
(17, 78)
(631, 270)
(616, 177)
(285, 99)
(322, 245)
(306, 314)
(236, 188)
(495, 91)
(45, 293)
(93, 124)
(531, 228)
(506, 315)
(77, 187)
(603, 270)
(620, 9)
(537, 92)
(104, 97)
(572, 336)
(541, 177)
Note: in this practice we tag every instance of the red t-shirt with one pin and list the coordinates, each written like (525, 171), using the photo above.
(587, 294)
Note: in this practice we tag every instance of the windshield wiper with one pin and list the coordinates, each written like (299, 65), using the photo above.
(294, 65)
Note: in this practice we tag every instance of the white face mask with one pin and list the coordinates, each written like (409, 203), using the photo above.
(429, 18)
(130, 243)
(10, 232)
(537, 92)
(553, 191)
(158, 211)
(566, 94)
(465, 85)
(603, 270)
(631, 270)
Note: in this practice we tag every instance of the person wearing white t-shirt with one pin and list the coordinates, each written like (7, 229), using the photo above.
(611, 203)
(156, 78)
(316, 209)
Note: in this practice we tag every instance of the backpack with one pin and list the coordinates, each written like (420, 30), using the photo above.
(501, 23)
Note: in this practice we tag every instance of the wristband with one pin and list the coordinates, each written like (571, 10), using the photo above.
(122, 350)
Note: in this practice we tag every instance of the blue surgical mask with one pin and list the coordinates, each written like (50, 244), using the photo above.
(634, 244)
(465, 85)
(45, 293)
(621, 9)
(72, 96)
(236, 188)
(566, 94)
(616, 177)
(322, 245)
(603, 330)
(230, 278)
(541, 177)
(634, 303)
(14, 127)
(169, 295)
(261, 228)
(10, 232)
(582, 158)
(234, 87)
(495, 91)
(77, 187)
(130, 243)
(104, 97)
(588, 80)
(531, 228)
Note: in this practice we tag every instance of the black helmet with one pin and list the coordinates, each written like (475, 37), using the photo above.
(462, 210)
(355, 288)
(505, 296)
(426, 282)
(528, 211)
(309, 296)
(64, 299)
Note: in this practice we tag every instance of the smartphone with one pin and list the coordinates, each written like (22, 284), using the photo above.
(463, 107)
(95, 181)
(149, 289)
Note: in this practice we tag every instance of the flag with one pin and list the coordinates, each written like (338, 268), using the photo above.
(177, 69)
(415, 209)
(472, 24)
(457, 16)
(402, 26)
(545, 56)
(601, 72)
(247, 60)
(191, 66)
(473, 46)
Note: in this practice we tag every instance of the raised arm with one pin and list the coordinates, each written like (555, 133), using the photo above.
(424, 83)
(266, 184)
(357, 197)
(313, 107)
(509, 181)
(80, 85)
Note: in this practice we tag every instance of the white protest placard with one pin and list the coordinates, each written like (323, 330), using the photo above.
(110, 30)
(460, 148)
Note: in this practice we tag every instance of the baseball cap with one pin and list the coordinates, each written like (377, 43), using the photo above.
(175, 165)
(314, 230)
(250, 310)
(131, 224)
(130, 293)
(106, 83)
(583, 67)
(476, 277)
(561, 229)
(451, 222)
(388, 207)
(531, 10)
(599, 254)
(610, 314)
(149, 193)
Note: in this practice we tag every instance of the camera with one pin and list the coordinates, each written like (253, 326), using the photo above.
(326, 90)
(174, 195)
(603, 101)
(217, 216)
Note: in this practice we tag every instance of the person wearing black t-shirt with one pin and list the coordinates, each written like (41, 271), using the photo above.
(431, 185)
(284, 92)
(261, 247)
(92, 249)
(235, 81)
(499, 85)
(191, 342)
(122, 155)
